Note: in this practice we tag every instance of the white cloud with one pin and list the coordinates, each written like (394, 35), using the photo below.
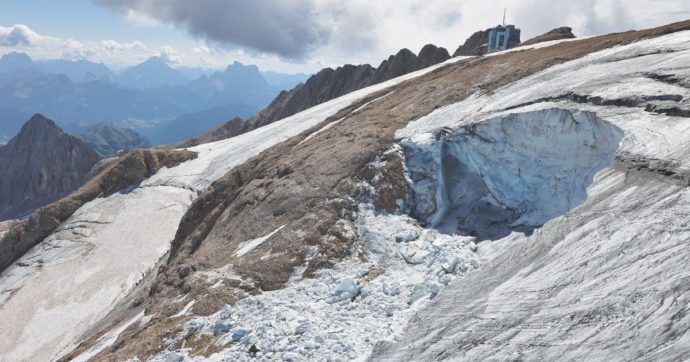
(204, 49)
(288, 28)
(306, 35)
(18, 35)
(114, 45)
(120, 54)
(21, 38)
(356, 31)
(141, 19)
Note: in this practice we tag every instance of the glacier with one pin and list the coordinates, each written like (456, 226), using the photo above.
(513, 172)
(607, 280)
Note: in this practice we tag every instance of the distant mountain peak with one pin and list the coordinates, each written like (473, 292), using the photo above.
(108, 139)
(39, 122)
(40, 165)
(38, 118)
(156, 60)
(235, 66)
(14, 61)
(152, 73)
(17, 55)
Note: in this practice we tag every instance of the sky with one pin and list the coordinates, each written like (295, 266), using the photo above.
(293, 36)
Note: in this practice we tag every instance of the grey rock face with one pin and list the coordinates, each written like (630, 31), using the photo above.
(430, 55)
(40, 165)
(5, 226)
(474, 45)
(396, 65)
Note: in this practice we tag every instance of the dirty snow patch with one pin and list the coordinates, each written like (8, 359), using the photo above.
(322, 129)
(107, 340)
(186, 309)
(250, 245)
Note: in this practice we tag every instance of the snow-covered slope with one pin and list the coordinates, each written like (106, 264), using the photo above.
(64, 285)
(606, 280)
(97, 256)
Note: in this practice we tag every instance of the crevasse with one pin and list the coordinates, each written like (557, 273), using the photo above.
(510, 173)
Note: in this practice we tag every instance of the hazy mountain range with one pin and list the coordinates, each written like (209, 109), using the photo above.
(145, 97)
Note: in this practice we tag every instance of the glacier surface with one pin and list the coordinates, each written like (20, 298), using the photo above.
(606, 281)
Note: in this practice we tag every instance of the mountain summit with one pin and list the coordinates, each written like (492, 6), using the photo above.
(238, 83)
(12, 62)
(152, 73)
(40, 165)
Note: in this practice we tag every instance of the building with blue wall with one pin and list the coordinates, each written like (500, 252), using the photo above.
(503, 37)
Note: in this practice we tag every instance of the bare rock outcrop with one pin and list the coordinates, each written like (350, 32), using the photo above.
(40, 165)
(396, 65)
(116, 175)
(563, 32)
(475, 45)
(431, 55)
(5, 226)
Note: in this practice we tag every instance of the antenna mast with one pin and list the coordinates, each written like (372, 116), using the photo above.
(504, 15)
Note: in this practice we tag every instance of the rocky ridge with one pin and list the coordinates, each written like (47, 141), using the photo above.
(475, 45)
(326, 85)
(563, 32)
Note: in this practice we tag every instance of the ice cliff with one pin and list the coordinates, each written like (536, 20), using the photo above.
(512, 172)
